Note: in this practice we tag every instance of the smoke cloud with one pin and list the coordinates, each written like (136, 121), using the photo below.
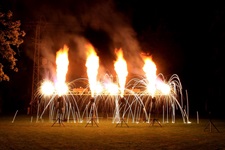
(104, 17)
(70, 22)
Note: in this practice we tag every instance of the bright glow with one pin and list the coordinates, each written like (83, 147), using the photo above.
(47, 88)
(112, 88)
(92, 64)
(163, 87)
(150, 72)
(61, 88)
(62, 63)
(121, 69)
(99, 88)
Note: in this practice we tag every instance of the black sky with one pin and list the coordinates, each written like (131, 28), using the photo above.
(184, 38)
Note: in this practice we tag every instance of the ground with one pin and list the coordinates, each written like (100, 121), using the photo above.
(25, 132)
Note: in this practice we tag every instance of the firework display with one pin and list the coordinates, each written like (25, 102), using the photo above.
(120, 98)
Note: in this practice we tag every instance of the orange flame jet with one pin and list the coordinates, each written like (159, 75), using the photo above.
(62, 63)
(150, 72)
(121, 69)
(92, 64)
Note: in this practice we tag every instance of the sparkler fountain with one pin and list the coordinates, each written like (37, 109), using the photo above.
(121, 106)
(60, 88)
(92, 114)
(59, 111)
(86, 97)
(121, 70)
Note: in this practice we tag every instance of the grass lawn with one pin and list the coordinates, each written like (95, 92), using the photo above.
(24, 134)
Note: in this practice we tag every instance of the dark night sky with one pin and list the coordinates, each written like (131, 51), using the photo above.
(185, 38)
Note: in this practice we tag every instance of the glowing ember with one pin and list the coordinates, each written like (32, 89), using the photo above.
(92, 65)
(150, 72)
(47, 88)
(121, 70)
(62, 63)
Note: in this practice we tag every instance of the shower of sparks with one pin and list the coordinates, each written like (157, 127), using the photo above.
(107, 94)
(121, 70)
(62, 63)
(92, 64)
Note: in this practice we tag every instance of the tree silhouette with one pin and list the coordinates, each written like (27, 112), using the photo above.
(10, 39)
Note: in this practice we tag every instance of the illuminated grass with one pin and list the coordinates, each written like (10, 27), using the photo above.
(24, 134)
